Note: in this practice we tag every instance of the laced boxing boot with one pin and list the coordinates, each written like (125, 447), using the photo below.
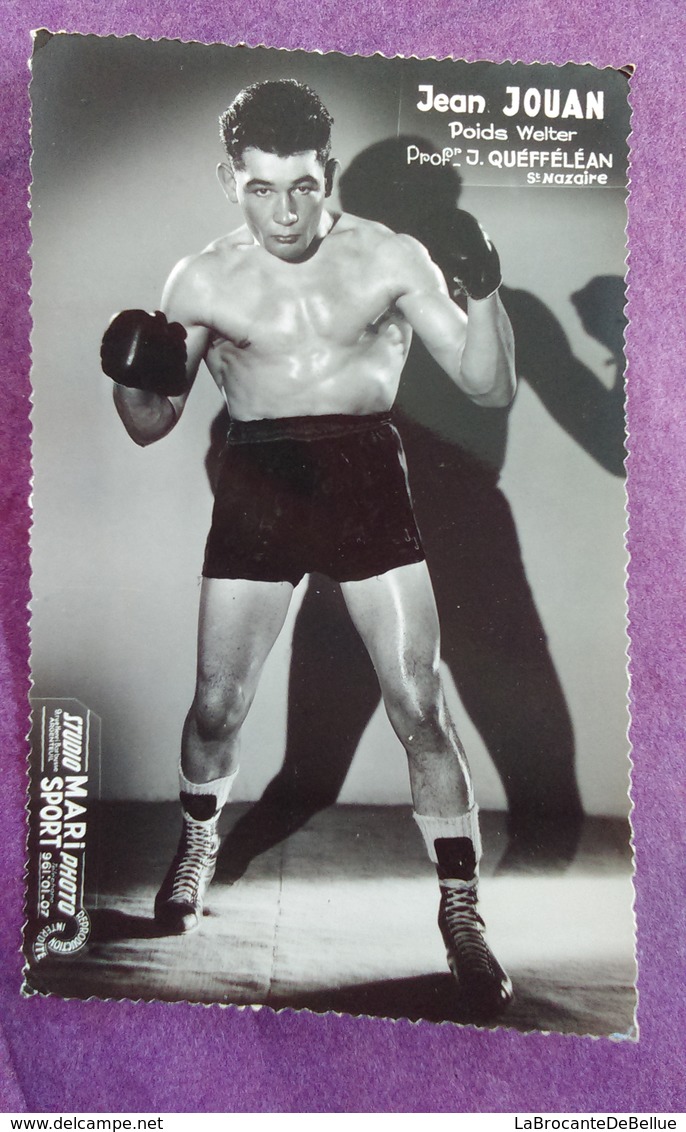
(179, 902)
(483, 986)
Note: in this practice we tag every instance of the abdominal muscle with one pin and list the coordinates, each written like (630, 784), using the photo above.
(317, 379)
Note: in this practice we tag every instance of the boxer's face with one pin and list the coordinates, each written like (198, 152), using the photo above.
(282, 198)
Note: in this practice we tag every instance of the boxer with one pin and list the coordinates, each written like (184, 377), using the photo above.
(304, 318)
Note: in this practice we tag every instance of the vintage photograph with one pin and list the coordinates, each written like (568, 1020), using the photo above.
(328, 548)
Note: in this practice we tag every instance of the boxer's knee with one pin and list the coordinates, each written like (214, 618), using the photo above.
(416, 709)
(219, 709)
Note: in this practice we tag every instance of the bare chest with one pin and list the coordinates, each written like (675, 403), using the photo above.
(300, 308)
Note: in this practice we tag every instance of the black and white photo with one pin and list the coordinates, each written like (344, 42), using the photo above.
(362, 320)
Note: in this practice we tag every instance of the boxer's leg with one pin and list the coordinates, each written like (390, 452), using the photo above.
(239, 622)
(395, 614)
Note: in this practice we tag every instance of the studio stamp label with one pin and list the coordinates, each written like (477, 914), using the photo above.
(65, 763)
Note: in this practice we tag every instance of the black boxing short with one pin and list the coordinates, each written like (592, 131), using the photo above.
(325, 494)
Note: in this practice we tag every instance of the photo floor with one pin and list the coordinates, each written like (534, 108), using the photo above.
(341, 915)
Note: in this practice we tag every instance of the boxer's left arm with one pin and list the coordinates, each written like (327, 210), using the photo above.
(476, 350)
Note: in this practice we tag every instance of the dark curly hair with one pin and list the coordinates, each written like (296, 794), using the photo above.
(280, 116)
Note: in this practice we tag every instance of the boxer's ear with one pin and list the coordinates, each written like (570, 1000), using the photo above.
(330, 173)
(227, 181)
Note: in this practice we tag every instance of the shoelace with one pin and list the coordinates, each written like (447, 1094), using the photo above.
(466, 928)
(196, 856)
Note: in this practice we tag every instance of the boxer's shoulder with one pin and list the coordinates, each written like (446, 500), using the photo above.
(375, 240)
(403, 260)
(225, 254)
(397, 259)
(188, 287)
(367, 234)
(198, 275)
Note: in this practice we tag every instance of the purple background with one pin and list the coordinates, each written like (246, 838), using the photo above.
(108, 1056)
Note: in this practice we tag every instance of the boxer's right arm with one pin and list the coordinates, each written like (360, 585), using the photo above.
(154, 359)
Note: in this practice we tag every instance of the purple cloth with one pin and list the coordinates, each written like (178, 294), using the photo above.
(108, 1056)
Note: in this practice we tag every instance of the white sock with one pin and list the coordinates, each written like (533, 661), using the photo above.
(461, 825)
(219, 788)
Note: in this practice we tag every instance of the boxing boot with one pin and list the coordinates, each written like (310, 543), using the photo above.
(144, 351)
(483, 986)
(179, 901)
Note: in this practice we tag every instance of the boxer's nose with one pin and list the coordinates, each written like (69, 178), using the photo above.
(284, 212)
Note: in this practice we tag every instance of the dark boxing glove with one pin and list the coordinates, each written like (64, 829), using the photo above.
(469, 259)
(144, 351)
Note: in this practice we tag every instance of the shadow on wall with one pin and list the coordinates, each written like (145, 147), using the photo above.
(492, 637)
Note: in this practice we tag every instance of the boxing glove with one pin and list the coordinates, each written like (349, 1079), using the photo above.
(469, 259)
(144, 351)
